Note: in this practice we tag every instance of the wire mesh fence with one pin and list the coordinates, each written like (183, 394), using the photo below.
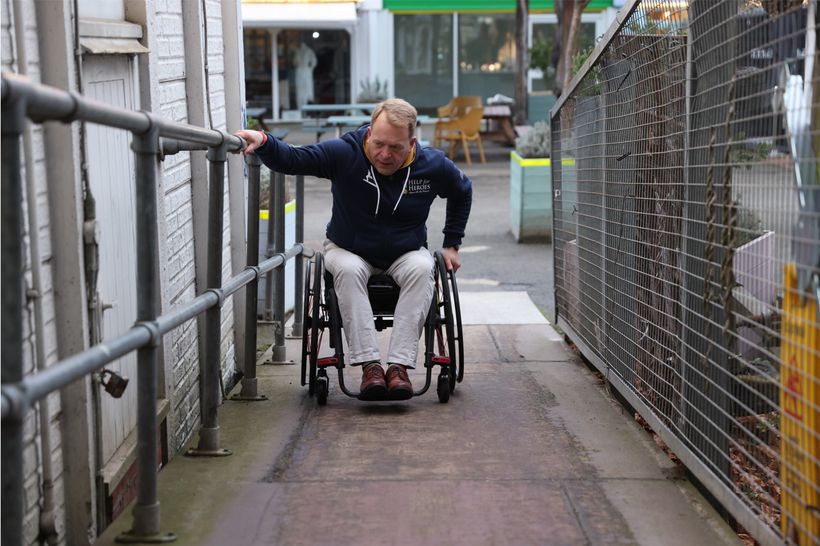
(687, 242)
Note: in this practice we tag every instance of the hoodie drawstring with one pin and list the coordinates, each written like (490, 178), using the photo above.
(404, 187)
(371, 179)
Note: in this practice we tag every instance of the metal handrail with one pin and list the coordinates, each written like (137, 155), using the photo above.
(153, 137)
(18, 397)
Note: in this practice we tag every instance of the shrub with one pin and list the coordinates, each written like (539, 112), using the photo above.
(541, 55)
(536, 143)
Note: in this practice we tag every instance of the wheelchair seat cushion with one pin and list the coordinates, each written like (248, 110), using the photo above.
(383, 293)
(382, 282)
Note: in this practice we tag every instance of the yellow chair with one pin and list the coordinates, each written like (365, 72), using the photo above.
(464, 129)
(456, 108)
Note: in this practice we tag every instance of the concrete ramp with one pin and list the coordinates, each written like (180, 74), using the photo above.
(529, 450)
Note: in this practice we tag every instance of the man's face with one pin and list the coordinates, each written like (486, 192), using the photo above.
(388, 145)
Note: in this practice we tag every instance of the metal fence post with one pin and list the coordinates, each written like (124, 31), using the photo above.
(299, 266)
(269, 251)
(145, 527)
(211, 363)
(249, 383)
(11, 199)
(278, 219)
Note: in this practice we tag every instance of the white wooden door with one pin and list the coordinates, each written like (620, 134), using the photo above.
(110, 161)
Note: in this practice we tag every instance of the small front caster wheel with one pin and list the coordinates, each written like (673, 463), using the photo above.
(321, 390)
(443, 388)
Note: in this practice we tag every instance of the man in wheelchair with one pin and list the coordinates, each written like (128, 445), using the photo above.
(383, 185)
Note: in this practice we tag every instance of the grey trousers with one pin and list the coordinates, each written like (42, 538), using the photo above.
(413, 272)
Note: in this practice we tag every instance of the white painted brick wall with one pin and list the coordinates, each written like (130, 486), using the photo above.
(216, 86)
(180, 280)
(178, 270)
(31, 451)
(6, 38)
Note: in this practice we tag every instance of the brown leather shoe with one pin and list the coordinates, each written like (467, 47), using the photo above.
(373, 386)
(398, 383)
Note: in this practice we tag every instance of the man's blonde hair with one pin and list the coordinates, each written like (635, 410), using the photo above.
(398, 112)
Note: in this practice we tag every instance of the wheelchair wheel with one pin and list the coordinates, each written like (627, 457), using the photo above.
(447, 341)
(313, 324)
(322, 388)
(459, 360)
(306, 319)
(443, 387)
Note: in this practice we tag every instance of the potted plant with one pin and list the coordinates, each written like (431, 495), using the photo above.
(531, 185)
(372, 91)
(755, 271)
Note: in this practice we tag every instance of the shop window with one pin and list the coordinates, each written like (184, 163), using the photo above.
(258, 69)
(424, 59)
(314, 67)
(486, 54)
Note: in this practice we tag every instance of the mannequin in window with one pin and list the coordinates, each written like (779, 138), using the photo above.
(305, 61)
(506, 54)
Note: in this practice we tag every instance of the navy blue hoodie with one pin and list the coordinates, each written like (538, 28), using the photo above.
(378, 217)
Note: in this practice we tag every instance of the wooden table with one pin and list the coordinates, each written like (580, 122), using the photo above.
(353, 108)
(315, 116)
(353, 122)
(501, 116)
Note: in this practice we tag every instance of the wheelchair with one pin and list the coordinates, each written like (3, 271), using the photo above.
(443, 335)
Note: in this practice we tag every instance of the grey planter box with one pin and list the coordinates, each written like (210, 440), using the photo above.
(530, 198)
(290, 239)
(754, 267)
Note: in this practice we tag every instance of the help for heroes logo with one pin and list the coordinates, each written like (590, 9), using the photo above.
(417, 185)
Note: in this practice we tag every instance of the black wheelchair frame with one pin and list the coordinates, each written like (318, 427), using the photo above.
(443, 334)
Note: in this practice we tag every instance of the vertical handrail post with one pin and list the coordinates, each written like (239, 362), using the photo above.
(249, 383)
(269, 248)
(299, 266)
(208, 445)
(279, 273)
(145, 527)
(11, 200)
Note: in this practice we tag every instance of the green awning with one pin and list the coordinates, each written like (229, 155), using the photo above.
(479, 5)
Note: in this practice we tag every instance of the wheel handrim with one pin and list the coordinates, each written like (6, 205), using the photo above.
(446, 303)
(314, 326)
(306, 320)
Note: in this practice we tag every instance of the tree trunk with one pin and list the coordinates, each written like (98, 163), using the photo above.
(522, 60)
(567, 35)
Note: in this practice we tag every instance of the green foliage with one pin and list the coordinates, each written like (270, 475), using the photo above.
(252, 123)
(748, 226)
(643, 26)
(372, 91)
(579, 59)
(748, 152)
(541, 55)
(591, 84)
(536, 143)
